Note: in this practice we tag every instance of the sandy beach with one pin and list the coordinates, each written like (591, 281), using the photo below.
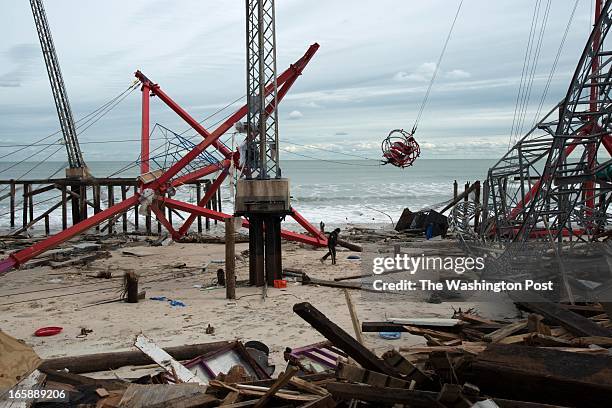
(187, 273)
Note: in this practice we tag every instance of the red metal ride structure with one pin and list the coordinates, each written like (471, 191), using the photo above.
(153, 193)
(400, 148)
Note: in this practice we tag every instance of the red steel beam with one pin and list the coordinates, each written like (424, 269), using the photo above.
(212, 189)
(18, 258)
(216, 215)
(159, 214)
(204, 171)
(144, 139)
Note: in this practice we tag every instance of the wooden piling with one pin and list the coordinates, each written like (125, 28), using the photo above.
(214, 203)
(12, 203)
(47, 226)
(30, 203)
(455, 189)
(124, 223)
(111, 202)
(208, 204)
(131, 287)
(83, 201)
(26, 188)
(198, 198)
(96, 198)
(477, 202)
(64, 208)
(230, 259)
(136, 218)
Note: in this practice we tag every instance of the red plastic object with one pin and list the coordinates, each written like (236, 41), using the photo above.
(280, 283)
(48, 331)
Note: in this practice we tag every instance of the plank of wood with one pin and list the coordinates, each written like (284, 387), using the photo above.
(425, 321)
(357, 374)
(411, 372)
(552, 312)
(90, 363)
(505, 331)
(473, 318)
(586, 341)
(354, 318)
(307, 386)
(165, 360)
(280, 382)
(342, 339)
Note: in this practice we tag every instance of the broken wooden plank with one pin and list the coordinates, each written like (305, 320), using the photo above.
(505, 331)
(308, 386)
(280, 382)
(165, 360)
(354, 318)
(342, 339)
(405, 367)
(357, 374)
(554, 313)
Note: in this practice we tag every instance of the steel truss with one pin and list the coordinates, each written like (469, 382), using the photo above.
(549, 185)
(153, 193)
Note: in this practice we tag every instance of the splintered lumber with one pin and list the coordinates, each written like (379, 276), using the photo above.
(505, 331)
(341, 339)
(357, 374)
(543, 375)
(379, 395)
(586, 341)
(405, 367)
(308, 387)
(280, 382)
(90, 363)
(552, 312)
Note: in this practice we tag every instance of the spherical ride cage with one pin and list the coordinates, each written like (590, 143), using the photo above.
(400, 148)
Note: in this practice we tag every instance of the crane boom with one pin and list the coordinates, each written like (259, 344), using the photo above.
(77, 166)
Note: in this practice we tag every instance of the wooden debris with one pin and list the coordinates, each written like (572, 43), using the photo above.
(166, 361)
(90, 363)
(554, 313)
(342, 339)
(281, 382)
(505, 331)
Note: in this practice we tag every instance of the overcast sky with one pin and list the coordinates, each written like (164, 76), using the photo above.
(368, 77)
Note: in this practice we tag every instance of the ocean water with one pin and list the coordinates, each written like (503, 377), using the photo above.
(351, 191)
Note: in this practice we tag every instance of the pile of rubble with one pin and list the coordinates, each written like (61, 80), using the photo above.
(558, 354)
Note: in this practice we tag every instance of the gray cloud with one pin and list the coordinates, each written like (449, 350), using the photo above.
(21, 57)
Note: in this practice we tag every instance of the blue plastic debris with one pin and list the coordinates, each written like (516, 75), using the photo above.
(390, 335)
(177, 303)
(160, 298)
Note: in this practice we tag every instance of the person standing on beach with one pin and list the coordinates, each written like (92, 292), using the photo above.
(332, 241)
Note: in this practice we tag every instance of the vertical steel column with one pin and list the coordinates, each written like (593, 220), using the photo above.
(144, 137)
